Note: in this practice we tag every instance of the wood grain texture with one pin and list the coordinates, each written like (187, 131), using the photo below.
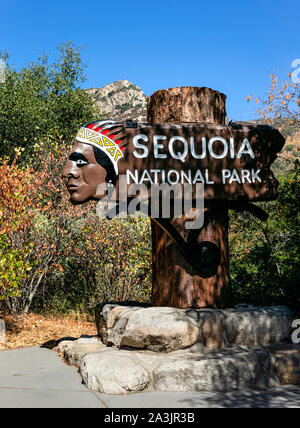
(175, 282)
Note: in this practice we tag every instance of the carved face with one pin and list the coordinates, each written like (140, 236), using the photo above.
(83, 173)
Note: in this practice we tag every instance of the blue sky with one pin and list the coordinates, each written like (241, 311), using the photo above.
(231, 46)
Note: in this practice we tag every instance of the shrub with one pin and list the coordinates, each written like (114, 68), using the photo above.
(59, 250)
(265, 260)
(17, 210)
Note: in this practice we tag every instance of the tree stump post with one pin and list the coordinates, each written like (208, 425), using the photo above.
(175, 283)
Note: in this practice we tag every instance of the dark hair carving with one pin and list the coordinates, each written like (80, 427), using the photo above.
(106, 163)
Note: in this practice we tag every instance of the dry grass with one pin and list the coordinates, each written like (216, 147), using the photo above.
(36, 330)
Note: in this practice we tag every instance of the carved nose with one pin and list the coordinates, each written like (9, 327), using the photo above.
(70, 170)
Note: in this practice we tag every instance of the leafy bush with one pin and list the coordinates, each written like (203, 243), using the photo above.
(17, 205)
(14, 269)
(265, 259)
(100, 260)
(57, 251)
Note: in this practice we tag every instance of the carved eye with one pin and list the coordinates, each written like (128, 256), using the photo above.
(81, 162)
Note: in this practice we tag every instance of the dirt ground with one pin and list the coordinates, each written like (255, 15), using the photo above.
(37, 330)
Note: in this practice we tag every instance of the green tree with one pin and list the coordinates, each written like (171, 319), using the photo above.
(43, 101)
(265, 259)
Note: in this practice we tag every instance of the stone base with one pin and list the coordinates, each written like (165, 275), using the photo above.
(168, 349)
(164, 329)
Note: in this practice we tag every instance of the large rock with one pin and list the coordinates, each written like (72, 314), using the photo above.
(73, 354)
(113, 372)
(211, 328)
(156, 329)
(286, 361)
(223, 371)
(255, 326)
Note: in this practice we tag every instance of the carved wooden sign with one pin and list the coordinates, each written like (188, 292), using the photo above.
(231, 161)
(190, 265)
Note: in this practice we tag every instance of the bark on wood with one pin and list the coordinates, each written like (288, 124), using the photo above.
(175, 282)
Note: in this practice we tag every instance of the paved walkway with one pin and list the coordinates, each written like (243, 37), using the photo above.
(36, 377)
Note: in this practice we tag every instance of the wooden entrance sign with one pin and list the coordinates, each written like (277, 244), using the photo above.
(185, 143)
(232, 162)
(175, 282)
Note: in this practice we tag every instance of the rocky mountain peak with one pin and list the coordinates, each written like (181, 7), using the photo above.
(120, 100)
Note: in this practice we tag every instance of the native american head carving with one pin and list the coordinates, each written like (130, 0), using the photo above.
(94, 159)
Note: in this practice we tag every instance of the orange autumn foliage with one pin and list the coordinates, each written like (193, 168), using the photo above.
(69, 252)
